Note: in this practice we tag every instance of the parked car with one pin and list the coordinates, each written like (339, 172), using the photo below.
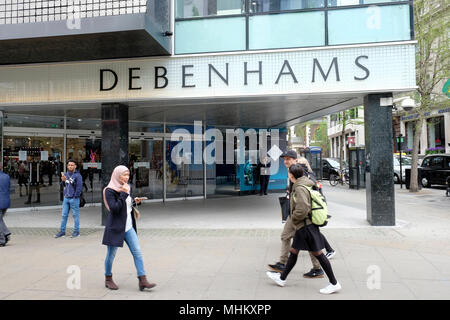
(406, 164)
(331, 166)
(435, 169)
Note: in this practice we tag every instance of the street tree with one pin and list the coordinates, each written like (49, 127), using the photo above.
(431, 27)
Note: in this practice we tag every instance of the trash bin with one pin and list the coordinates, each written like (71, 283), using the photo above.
(408, 177)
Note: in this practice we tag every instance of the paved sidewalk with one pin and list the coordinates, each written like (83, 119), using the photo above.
(219, 249)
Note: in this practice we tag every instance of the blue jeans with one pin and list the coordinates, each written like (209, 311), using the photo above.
(74, 204)
(132, 241)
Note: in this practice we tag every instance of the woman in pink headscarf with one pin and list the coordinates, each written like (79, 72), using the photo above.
(121, 226)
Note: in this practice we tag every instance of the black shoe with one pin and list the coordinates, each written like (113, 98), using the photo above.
(314, 273)
(7, 238)
(277, 267)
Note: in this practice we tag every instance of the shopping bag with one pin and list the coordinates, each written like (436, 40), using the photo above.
(284, 204)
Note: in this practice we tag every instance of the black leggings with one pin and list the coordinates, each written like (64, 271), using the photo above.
(324, 263)
(327, 245)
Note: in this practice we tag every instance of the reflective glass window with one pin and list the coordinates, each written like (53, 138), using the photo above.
(280, 5)
(337, 3)
(370, 24)
(208, 35)
(300, 29)
(204, 8)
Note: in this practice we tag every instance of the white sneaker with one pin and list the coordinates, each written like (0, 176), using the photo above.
(275, 276)
(331, 288)
(330, 254)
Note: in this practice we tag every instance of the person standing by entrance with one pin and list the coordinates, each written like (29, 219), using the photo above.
(5, 202)
(34, 182)
(264, 175)
(73, 186)
(121, 226)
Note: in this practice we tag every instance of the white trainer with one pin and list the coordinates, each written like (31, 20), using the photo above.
(331, 288)
(330, 254)
(275, 276)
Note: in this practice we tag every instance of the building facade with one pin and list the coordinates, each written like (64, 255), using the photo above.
(352, 135)
(108, 82)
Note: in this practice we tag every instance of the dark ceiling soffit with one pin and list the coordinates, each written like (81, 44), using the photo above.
(319, 112)
(98, 38)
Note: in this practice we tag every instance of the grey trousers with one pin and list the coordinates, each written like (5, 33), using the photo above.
(4, 231)
(286, 236)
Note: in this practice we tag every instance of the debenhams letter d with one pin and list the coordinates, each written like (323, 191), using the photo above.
(162, 78)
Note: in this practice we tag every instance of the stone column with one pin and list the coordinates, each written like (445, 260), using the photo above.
(114, 142)
(380, 193)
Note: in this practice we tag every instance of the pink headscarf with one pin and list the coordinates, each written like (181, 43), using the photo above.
(115, 182)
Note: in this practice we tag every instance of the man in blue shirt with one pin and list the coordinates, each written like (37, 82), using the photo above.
(5, 202)
(73, 186)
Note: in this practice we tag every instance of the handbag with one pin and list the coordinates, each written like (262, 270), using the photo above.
(136, 213)
(82, 200)
(284, 203)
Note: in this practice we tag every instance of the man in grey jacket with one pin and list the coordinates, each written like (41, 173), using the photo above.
(5, 202)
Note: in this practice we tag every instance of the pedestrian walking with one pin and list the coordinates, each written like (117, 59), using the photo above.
(73, 186)
(307, 235)
(290, 158)
(121, 226)
(5, 202)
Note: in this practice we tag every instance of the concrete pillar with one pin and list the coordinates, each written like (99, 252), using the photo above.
(380, 194)
(114, 142)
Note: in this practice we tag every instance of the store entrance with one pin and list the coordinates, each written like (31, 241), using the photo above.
(33, 163)
(146, 165)
(85, 150)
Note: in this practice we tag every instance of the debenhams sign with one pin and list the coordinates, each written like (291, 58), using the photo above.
(329, 70)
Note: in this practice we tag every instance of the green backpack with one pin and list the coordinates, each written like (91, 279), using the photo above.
(319, 210)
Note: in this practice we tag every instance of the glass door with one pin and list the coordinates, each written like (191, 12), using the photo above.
(146, 166)
(33, 163)
(184, 177)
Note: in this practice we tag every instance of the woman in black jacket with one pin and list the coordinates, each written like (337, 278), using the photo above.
(121, 226)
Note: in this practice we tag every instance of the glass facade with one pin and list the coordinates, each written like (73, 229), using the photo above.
(204, 8)
(338, 3)
(275, 31)
(161, 168)
(370, 24)
(280, 5)
(213, 26)
(228, 35)
(436, 134)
